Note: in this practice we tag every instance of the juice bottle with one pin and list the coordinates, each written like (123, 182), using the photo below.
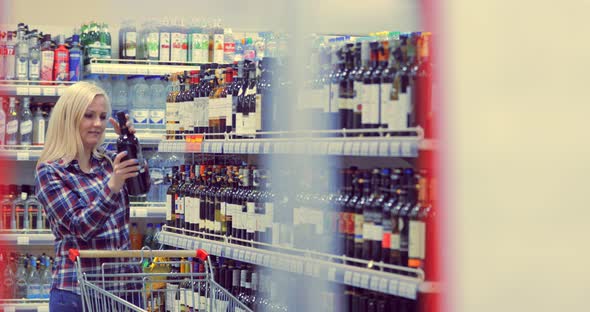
(135, 237)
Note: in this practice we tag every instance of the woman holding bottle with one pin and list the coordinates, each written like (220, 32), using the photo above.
(82, 187)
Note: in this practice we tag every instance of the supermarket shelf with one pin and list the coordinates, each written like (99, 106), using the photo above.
(24, 305)
(33, 88)
(145, 136)
(135, 67)
(27, 238)
(400, 281)
(148, 210)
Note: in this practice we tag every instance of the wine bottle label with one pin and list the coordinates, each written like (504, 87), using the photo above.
(359, 219)
(22, 69)
(26, 127)
(367, 231)
(394, 241)
(377, 232)
(39, 134)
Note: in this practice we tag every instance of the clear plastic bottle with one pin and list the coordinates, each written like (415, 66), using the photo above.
(131, 82)
(106, 84)
(12, 123)
(157, 176)
(128, 41)
(38, 126)
(155, 244)
(46, 278)
(140, 102)
(239, 55)
(218, 40)
(148, 238)
(33, 280)
(9, 279)
(120, 95)
(20, 291)
(164, 30)
(10, 61)
(249, 51)
(26, 123)
(157, 98)
(151, 41)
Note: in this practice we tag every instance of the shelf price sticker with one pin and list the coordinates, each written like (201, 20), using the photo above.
(248, 256)
(298, 267)
(42, 308)
(22, 91)
(61, 90)
(259, 259)
(22, 240)
(308, 269)
(393, 287)
(356, 149)
(266, 261)
(227, 252)
(373, 148)
(365, 281)
(383, 149)
(383, 285)
(374, 285)
(34, 91)
(364, 149)
(9, 308)
(395, 149)
(348, 278)
(356, 279)
(140, 213)
(347, 149)
(407, 290)
(332, 274)
(23, 156)
(408, 150)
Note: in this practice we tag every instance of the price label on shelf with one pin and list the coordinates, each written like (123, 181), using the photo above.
(383, 285)
(409, 149)
(364, 149)
(48, 91)
(308, 269)
(22, 240)
(373, 148)
(348, 278)
(332, 274)
(9, 308)
(299, 267)
(356, 149)
(260, 259)
(34, 91)
(22, 156)
(316, 270)
(257, 147)
(250, 148)
(393, 287)
(266, 260)
(248, 256)
(227, 253)
(141, 213)
(266, 148)
(407, 290)
(395, 149)
(22, 91)
(383, 149)
(61, 90)
(323, 149)
(356, 279)
(229, 147)
(241, 255)
(43, 308)
(243, 147)
(347, 149)
(364, 281)
(374, 285)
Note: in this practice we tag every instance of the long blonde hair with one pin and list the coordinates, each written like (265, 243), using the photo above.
(63, 139)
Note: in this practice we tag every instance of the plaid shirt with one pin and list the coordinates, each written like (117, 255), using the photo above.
(83, 213)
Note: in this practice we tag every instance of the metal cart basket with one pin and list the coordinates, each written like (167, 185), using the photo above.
(123, 285)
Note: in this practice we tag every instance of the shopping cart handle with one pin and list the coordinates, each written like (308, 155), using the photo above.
(74, 254)
(202, 254)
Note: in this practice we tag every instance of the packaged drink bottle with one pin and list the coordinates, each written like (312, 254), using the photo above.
(120, 95)
(26, 123)
(139, 184)
(128, 41)
(155, 243)
(151, 41)
(18, 209)
(105, 41)
(218, 43)
(2, 54)
(2, 123)
(194, 41)
(149, 235)
(140, 102)
(8, 279)
(76, 61)
(229, 46)
(21, 280)
(179, 42)
(47, 59)
(10, 57)
(157, 176)
(38, 126)
(61, 69)
(135, 237)
(34, 57)
(22, 54)
(12, 123)
(34, 209)
(239, 55)
(46, 278)
(164, 31)
(33, 281)
(249, 52)
(106, 84)
(157, 96)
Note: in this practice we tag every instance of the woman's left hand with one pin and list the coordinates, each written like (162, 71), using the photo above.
(116, 125)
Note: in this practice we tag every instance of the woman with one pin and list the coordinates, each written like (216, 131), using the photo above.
(82, 188)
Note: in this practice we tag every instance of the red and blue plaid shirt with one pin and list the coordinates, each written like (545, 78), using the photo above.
(83, 213)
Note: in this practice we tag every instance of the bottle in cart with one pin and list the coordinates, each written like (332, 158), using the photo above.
(140, 184)
(26, 123)
(135, 237)
(12, 123)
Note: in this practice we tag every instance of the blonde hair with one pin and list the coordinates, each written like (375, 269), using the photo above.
(63, 139)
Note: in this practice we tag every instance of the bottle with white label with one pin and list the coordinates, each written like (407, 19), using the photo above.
(128, 41)
(140, 103)
(12, 123)
(164, 30)
(45, 278)
(38, 126)
(22, 54)
(33, 280)
(34, 57)
(10, 57)
(179, 42)
(2, 124)
(47, 59)
(26, 123)
(157, 102)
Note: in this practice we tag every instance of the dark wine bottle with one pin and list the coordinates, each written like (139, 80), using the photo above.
(127, 142)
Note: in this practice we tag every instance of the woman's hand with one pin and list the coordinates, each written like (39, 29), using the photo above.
(122, 171)
(116, 125)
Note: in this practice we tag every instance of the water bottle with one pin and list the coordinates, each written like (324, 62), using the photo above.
(26, 123)
(157, 102)
(21, 280)
(140, 107)
(157, 178)
(46, 278)
(120, 95)
(33, 281)
(107, 86)
(149, 235)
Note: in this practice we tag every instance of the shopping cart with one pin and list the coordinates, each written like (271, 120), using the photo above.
(155, 289)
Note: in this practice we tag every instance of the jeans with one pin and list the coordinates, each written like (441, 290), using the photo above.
(64, 301)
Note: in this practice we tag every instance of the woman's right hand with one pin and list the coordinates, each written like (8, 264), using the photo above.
(122, 171)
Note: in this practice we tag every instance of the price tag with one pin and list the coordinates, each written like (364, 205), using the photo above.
(247, 256)
(207, 247)
(34, 91)
(393, 285)
(141, 213)
(356, 149)
(244, 148)
(383, 149)
(250, 148)
(407, 290)
(374, 283)
(266, 261)
(409, 149)
(308, 269)
(241, 255)
(22, 156)
(22, 240)
(373, 148)
(299, 267)
(260, 259)
(227, 252)
(235, 254)
(356, 279)
(257, 147)
(229, 147)
(43, 308)
(347, 149)
(9, 308)
(195, 245)
(364, 148)
(188, 244)
(364, 281)
(22, 91)
(316, 270)
(383, 285)
(348, 278)
(323, 149)
(266, 148)
(60, 91)
(332, 274)
(395, 149)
